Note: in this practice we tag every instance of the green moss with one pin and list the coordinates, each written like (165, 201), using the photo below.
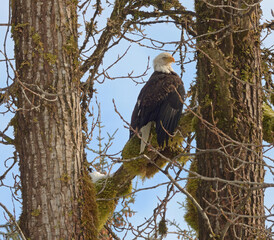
(151, 169)
(272, 98)
(51, 58)
(17, 30)
(36, 38)
(187, 125)
(191, 215)
(131, 150)
(65, 178)
(36, 212)
(88, 206)
(268, 124)
(107, 206)
(108, 192)
(246, 74)
(162, 229)
(71, 45)
(137, 165)
(145, 166)
(19, 27)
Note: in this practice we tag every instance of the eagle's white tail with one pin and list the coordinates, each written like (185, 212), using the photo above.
(145, 131)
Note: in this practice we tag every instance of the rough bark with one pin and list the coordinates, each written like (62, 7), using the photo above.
(230, 100)
(48, 121)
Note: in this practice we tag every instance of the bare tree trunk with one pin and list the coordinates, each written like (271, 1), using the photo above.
(230, 100)
(48, 121)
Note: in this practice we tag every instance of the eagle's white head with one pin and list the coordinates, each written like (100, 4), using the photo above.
(162, 63)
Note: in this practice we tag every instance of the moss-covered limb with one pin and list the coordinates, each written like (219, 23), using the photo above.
(108, 191)
(191, 215)
(268, 124)
(88, 206)
(118, 185)
(145, 166)
(136, 164)
(187, 123)
(111, 188)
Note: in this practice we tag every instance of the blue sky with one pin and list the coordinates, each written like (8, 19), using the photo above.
(125, 93)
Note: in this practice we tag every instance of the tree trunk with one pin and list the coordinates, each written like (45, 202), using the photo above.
(48, 121)
(229, 137)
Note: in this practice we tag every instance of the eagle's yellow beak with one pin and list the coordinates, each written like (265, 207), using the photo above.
(171, 59)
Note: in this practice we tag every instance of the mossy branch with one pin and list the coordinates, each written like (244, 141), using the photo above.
(113, 187)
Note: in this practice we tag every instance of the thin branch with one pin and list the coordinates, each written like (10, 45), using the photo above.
(14, 221)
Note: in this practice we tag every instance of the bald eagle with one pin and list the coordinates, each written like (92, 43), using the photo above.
(160, 101)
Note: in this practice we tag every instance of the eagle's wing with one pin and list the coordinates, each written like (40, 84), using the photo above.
(169, 114)
(160, 100)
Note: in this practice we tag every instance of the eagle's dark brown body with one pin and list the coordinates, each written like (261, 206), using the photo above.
(160, 101)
